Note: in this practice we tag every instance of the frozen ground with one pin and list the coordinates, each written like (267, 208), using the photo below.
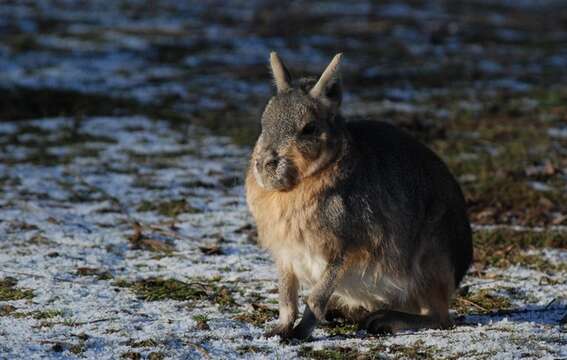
(68, 234)
(123, 227)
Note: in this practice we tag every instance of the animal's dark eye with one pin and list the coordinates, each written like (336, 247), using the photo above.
(311, 129)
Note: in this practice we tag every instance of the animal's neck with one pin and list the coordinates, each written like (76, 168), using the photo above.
(330, 163)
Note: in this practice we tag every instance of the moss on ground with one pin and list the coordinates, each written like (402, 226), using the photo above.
(157, 289)
(503, 248)
(417, 350)
(202, 321)
(527, 239)
(170, 208)
(341, 329)
(131, 355)
(9, 291)
(142, 343)
(99, 273)
(482, 301)
(156, 355)
(40, 314)
(252, 349)
(260, 315)
(334, 353)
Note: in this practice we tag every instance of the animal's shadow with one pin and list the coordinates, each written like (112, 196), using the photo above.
(552, 314)
(540, 314)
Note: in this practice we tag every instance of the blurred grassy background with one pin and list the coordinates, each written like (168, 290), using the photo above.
(482, 82)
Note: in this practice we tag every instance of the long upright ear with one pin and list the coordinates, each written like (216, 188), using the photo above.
(282, 78)
(328, 87)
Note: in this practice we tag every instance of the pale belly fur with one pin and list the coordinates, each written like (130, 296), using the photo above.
(361, 286)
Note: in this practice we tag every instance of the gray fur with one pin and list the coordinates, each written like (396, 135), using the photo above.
(390, 198)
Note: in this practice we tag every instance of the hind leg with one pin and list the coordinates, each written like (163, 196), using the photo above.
(335, 311)
(392, 321)
(434, 314)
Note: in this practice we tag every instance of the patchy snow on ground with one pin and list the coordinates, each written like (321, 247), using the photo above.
(88, 225)
(127, 236)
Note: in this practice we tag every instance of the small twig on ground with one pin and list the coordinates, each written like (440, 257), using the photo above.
(467, 301)
(550, 303)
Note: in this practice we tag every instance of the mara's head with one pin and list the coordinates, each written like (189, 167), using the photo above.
(302, 131)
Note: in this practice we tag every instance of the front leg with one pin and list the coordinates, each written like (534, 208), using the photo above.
(288, 286)
(318, 299)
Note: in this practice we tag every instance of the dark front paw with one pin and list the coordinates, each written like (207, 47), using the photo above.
(283, 331)
(301, 332)
(378, 323)
(305, 327)
(288, 333)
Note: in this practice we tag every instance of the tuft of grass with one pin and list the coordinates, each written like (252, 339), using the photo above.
(8, 290)
(40, 314)
(503, 248)
(202, 321)
(142, 343)
(252, 349)
(158, 289)
(341, 329)
(417, 350)
(482, 301)
(7, 309)
(522, 239)
(534, 262)
(154, 355)
(259, 316)
(336, 353)
(131, 355)
(170, 208)
(99, 273)
(78, 349)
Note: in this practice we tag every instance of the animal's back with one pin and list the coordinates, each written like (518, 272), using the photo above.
(410, 192)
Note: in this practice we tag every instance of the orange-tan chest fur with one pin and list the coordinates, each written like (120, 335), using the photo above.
(282, 218)
(288, 227)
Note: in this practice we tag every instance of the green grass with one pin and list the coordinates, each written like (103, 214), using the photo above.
(417, 350)
(252, 349)
(341, 329)
(482, 301)
(333, 353)
(171, 208)
(158, 289)
(498, 238)
(8, 290)
(143, 343)
(40, 314)
(259, 316)
(202, 321)
(99, 273)
(503, 248)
